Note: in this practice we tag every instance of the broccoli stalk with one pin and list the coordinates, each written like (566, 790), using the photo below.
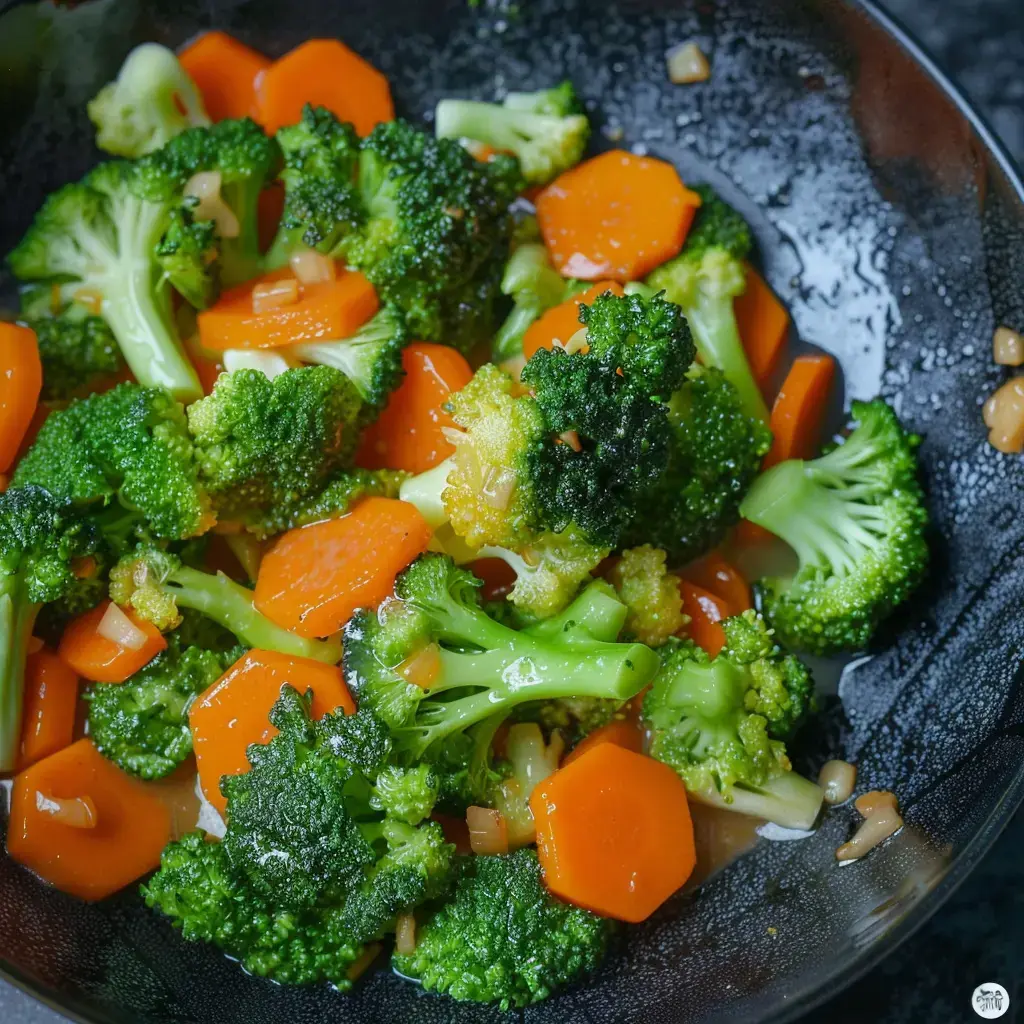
(155, 584)
(856, 521)
(704, 279)
(547, 130)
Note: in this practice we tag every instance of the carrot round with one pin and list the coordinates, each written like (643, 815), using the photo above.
(706, 611)
(798, 414)
(51, 703)
(715, 574)
(314, 578)
(326, 73)
(763, 324)
(615, 216)
(622, 732)
(100, 660)
(321, 312)
(233, 712)
(21, 379)
(409, 433)
(614, 833)
(85, 826)
(226, 73)
(561, 322)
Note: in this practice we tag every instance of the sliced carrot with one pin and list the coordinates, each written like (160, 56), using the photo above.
(713, 573)
(763, 325)
(233, 712)
(84, 825)
(622, 732)
(314, 578)
(207, 365)
(706, 611)
(326, 73)
(615, 216)
(268, 212)
(409, 433)
(21, 379)
(226, 72)
(799, 411)
(455, 830)
(561, 322)
(51, 703)
(322, 312)
(614, 833)
(497, 575)
(101, 660)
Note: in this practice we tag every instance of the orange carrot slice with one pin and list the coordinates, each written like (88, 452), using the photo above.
(622, 732)
(51, 702)
(85, 826)
(314, 578)
(326, 73)
(561, 322)
(322, 312)
(497, 575)
(614, 833)
(21, 379)
(233, 712)
(101, 660)
(713, 573)
(226, 72)
(615, 216)
(409, 433)
(706, 611)
(798, 414)
(270, 206)
(763, 325)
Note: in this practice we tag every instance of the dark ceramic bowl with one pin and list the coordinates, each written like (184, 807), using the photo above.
(892, 225)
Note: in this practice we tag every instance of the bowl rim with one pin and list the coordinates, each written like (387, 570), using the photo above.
(830, 982)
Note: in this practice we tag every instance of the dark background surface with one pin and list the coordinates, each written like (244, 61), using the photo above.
(979, 935)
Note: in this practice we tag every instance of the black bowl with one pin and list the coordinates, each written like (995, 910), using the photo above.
(892, 225)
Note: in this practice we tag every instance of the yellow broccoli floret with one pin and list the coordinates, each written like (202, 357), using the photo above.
(650, 593)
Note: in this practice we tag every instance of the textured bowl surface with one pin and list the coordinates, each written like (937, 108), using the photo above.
(894, 231)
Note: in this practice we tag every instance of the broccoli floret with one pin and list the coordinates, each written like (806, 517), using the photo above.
(721, 723)
(156, 585)
(96, 241)
(262, 446)
(187, 255)
(406, 794)
(715, 453)
(651, 594)
(151, 100)
(547, 130)
(504, 938)
(41, 540)
(856, 521)
(142, 724)
(705, 279)
(473, 667)
(128, 451)
(371, 358)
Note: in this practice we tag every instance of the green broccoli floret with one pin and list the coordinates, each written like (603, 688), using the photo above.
(96, 241)
(705, 279)
(187, 255)
(504, 938)
(265, 445)
(856, 521)
(371, 358)
(721, 723)
(714, 455)
(406, 794)
(127, 451)
(41, 537)
(547, 130)
(157, 585)
(142, 724)
(151, 100)
(237, 159)
(651, 594)
(474, 667)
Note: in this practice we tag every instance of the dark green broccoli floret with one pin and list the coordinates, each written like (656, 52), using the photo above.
(504, 938)
(856, 521)
(151, 100)
(475, 667)
(128, 450)
(41, 538)
(187, 255)
(547, 130)
(721, 723)
(704, 279)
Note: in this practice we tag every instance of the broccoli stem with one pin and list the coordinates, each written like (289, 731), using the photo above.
(597, 614)
(17, 619)
(424, 491)
(230, 604)
(788, 800)
(508, 341)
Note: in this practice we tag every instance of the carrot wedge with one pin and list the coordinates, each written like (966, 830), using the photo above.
(763, 324)
(51, 702)
(799, 411)
(21, 380)
(706, 612)
(561, 322)
(226, 73)
(623, 732)
(101, 660)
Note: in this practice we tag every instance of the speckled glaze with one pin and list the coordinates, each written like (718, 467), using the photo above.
(896, 236)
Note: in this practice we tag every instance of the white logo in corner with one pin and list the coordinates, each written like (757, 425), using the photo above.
(990, 1000)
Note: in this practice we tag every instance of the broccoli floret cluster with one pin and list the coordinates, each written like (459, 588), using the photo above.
(650, 593)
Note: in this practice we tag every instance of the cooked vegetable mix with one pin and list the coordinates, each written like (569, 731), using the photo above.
(452, 648)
